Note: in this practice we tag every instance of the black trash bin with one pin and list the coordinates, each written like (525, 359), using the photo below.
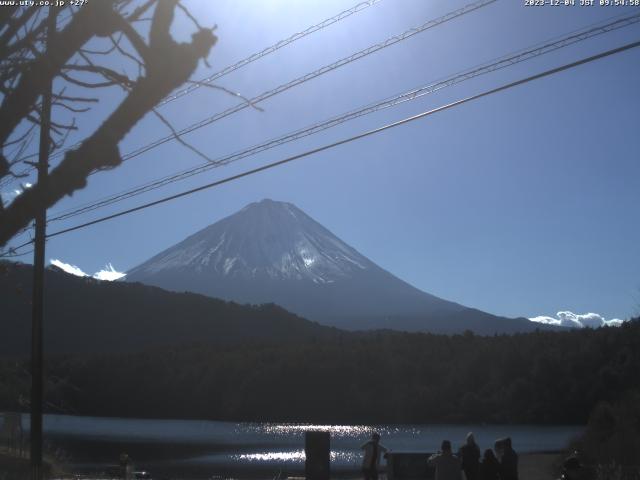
(317, 449)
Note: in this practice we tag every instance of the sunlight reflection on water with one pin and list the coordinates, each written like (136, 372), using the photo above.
(352, 431)
(296, 456)
(335, 430)
(270, 456)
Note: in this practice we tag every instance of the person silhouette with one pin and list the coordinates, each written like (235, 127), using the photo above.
(490, 467)
(371, 459)
(126, 467)
(469, 454)
(508, 459)
(572, 468)
(447, 465)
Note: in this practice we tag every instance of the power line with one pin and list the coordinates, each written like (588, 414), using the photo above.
(309, 76)
(368, 133)
(305, 78)
(270, 49)
(10, 254)
(241, 63)
(503, 62)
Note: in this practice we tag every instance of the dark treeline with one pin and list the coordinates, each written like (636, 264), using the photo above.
(84, 315)
(540, 377)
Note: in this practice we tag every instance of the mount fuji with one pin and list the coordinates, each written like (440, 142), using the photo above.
(272, 252)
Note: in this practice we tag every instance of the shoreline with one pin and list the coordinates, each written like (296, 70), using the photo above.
(532, 466)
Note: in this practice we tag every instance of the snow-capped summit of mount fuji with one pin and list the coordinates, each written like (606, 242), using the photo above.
(268, 240)
(273, 252)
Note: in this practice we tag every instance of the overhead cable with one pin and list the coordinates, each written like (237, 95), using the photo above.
(503, 62)
(344, 141)
(239, 64)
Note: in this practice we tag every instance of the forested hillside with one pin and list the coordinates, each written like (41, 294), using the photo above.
(83, 315)
(540, 377)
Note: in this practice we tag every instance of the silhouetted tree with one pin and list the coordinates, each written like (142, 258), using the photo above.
(27, 65)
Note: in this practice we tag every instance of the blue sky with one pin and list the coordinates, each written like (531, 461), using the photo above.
(519, 204)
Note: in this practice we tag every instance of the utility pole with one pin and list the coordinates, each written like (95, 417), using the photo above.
(37, 371)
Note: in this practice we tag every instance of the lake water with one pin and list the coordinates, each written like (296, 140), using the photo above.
(224, 448)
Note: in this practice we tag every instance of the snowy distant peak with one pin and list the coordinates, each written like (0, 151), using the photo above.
(267, 239)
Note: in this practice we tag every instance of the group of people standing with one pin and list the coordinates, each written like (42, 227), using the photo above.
(501, 465)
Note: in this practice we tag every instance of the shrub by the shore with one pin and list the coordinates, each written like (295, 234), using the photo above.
(611, 441)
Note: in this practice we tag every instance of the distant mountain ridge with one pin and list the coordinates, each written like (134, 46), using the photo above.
(273, 252)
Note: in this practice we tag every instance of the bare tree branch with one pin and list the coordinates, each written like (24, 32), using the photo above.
(29, 38)
(70, 108)
(178, 138)
(75, 99)
(167, 64)
(189, 16)
(14, 26)
(226, 90)
(81, 83)
(82, 27)
(138, 12)
(136, 40)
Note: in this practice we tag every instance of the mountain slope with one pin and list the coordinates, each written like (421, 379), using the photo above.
(273, 252)
(83, 315)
